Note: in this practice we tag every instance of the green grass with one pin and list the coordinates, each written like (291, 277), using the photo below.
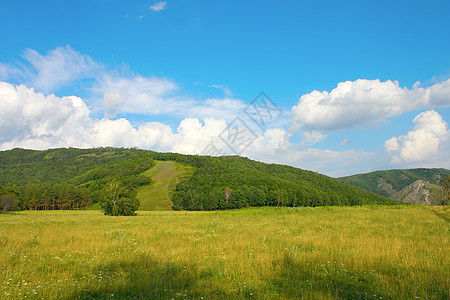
(165, 176)
(398, 252)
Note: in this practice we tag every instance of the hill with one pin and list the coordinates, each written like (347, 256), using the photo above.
(421, 186)
(21, 166)
(165, 176)
(210, 182)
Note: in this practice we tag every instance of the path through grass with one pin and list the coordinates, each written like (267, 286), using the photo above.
(165, 176)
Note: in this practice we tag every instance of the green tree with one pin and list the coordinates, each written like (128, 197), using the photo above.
(117, 199)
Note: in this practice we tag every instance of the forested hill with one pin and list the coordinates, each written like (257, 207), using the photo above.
(234, 182)
(217, 183)
(409, 185)
(21, 166)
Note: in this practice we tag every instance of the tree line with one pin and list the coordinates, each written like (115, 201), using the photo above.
(81, 186)
(44, 196)
(116, 198)
(236, 182)
(219, 198)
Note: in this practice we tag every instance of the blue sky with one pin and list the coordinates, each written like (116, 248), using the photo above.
(172, 75)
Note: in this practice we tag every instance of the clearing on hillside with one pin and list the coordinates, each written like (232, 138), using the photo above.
(165, 176)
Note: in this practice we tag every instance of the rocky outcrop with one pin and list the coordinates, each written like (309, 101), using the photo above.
(418, 192)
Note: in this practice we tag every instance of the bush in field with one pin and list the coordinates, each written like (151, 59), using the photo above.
(117, 199)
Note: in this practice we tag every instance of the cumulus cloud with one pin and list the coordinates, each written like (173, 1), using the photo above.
(312, 137)
(269, 145)
(158, 6)
(32, 120)
(354, 103)
(424, 143)
(331, 161)
(440, 94)
(59, 67)
(136, 94)
(42, 121)
(273, 146)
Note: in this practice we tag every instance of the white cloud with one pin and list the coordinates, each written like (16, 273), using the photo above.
(59, 67)
(42, 121)
(113, 92)
(31, 120)
(136, 94)
(193, 136)
(312, 137)
(354, 103)
(329, 161)
(274, 147)
(226, 90)
(424, 143)
(440, 94)
(158, 6)
(270, 145)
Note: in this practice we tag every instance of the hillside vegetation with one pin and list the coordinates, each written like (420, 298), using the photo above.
(69, 178)
(165, 176)
(211, 183)
(21, 166)
(420, 186)
(235, 182)
(388, 252)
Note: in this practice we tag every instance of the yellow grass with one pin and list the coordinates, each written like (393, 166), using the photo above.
(264, 253)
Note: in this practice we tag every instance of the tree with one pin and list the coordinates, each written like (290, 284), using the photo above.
(281, 197)
(117, 199)
(9, 203)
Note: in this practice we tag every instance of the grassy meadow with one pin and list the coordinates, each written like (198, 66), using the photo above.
(398, 252)
(165, 176)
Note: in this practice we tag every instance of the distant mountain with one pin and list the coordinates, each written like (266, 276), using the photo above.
(421, 186)
(216, 182)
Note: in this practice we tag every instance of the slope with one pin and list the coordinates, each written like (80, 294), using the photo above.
(227, 182)
(165, 176)
(236, 182)
(398, 184)
(21, 166)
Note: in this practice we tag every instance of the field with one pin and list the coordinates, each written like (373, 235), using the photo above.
(398, 252)
(165, 176)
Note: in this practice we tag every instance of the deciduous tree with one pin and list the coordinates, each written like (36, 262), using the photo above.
(117, 199)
